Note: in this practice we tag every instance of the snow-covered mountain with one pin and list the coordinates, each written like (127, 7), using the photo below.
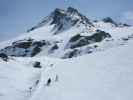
(37, 64)
(67, 34)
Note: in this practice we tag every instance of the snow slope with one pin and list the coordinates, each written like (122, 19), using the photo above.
(15, 80)
(116, 32)
(85, 77)
(91, 78)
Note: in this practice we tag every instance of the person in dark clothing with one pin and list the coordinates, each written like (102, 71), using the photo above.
(30, 90)
(48, 82)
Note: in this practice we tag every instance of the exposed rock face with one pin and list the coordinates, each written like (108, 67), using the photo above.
(110, 20)
(24, 48)
(4, 57)
(116, 24)
(72, 53)
(79, 41)
(37, 65)
(23, 44)
(64, 20)
(54, 47)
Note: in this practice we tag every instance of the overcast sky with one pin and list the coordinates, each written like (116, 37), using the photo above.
(16, 16)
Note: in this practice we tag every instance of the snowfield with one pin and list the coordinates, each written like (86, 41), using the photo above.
(105, 75)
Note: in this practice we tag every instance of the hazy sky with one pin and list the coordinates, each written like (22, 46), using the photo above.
(16, 16)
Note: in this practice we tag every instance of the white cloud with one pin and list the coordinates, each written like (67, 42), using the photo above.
(127, 17)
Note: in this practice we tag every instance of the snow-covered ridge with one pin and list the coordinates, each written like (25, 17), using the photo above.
(66, 34)
(64, 19)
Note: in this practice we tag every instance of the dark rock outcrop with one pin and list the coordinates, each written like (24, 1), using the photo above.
(110, 20)
(64, 20)
(37, 65)
(72, 53)
(4, 57)
(79, 41)
(24, 47)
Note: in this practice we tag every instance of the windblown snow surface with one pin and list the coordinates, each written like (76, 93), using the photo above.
(105, 74)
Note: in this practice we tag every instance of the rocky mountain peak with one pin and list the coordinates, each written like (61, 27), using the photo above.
(57, 12)
(69, 11)
(72, 10)
(70, 14)
(67, 33)
(109, 20)
(64, 19)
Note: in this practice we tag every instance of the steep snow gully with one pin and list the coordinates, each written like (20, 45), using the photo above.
(68, 57)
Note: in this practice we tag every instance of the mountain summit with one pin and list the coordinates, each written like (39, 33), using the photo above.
(64, 19)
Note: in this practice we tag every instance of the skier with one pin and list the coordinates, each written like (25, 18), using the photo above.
(48, 82)
(30, 90)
